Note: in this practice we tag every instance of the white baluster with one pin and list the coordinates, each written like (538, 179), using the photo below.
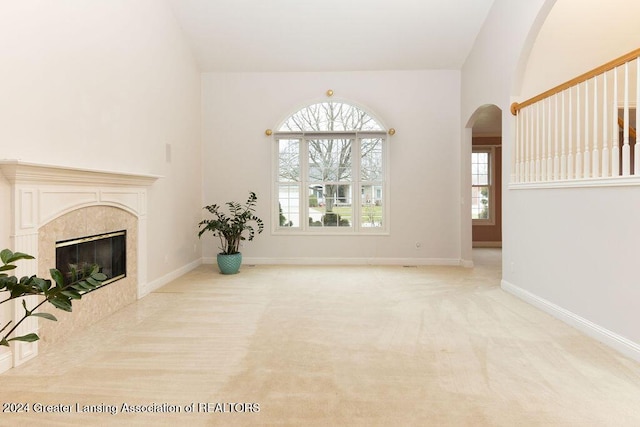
(578, 144)
(626, 150)
(587, 153)
(524, 170)
(595, 158)
(532, 153)
(605, 132)
(556, 137)
(549, 142)
(549, 139)
(515, 165)
(563, 156)
(636, 150)
(521, 123)
(527, 145)
(543, 139)
(523, 144)
(537, 176)
(570, 171)
(615, 140)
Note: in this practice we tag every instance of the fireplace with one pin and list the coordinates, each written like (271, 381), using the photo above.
(95, 222)
(108, 251)
(51, 204)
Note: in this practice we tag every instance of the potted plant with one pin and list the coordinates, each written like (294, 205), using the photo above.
(58, 292)
(232, 227)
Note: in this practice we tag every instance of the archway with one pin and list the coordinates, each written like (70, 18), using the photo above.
(482, 166)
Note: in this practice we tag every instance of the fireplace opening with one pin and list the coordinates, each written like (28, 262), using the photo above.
(106, 250)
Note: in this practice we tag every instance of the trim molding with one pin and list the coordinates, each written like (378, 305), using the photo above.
(156, 284)
(6, 360)
(344, 261)
(613, 340)
(19, 172)
(617, 181)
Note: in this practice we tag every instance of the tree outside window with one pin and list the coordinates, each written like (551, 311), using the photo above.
(331, 170)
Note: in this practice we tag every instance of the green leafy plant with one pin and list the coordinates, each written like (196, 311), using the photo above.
(333, 218)
(230, 227)
(56, 293)
(283, 219)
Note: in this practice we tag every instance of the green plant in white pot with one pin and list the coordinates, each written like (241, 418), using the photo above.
(232, 227)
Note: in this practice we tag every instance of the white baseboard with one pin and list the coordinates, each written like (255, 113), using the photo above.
(613, 340)
(149, 287)
(344, 261)
(6, 360)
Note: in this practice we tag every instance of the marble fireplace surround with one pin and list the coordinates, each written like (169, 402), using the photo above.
(47, 202)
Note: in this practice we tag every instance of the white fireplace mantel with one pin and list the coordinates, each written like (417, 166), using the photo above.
(17, 171)
(41, 193)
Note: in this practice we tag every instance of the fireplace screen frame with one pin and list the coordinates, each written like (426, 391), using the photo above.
(115, 271)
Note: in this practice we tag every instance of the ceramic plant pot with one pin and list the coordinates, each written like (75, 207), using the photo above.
(229, 264)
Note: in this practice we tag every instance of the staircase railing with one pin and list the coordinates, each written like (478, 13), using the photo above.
(581, 130)
(632, 130)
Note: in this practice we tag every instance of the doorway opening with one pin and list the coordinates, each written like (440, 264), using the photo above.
(486, 177)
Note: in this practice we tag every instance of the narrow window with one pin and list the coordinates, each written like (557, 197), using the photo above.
(481, 186)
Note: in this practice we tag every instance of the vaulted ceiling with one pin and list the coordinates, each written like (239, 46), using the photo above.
(330, 35)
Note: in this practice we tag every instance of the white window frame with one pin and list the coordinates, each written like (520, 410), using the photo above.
(491, 150)
(304, 183)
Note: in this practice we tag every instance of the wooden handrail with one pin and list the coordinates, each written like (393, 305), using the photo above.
(632, 131)
(515, 107)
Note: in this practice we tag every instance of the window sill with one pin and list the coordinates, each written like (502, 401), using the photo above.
(328, 233)
(483, 222)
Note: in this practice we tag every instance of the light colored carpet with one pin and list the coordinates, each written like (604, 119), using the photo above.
(332, 346)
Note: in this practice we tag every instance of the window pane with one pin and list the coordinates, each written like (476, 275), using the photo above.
(371, 206)
(480, 168)
(344, 205)
(330, 116)
(331, 206)
(371, 159)
(289, 160)
(480, 202)
(316, 205)
(289, 205)
(481, 181)
(329, 160)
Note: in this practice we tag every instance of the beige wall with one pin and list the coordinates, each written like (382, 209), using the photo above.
(107, 85)
(424, 168)
(577, 36)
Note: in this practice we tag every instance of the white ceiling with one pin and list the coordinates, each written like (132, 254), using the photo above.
(330, 35)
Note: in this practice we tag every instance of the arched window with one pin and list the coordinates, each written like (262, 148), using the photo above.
(331, 171)
(330, 117)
